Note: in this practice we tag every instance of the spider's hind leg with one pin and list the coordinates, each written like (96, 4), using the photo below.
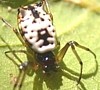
(73, 44)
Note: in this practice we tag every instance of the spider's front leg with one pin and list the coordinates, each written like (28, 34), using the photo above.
(73, 44)
(15, 30)
(24, 67)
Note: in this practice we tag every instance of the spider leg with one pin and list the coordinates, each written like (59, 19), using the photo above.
(60, 55)
(17, 32)
(7, 52)
(23, 66)
(46, 6)
(73, 44)
(22, 69)
(80, 62)
(14, 29)
(32, 62)
(21, 76)
(85, 48)
(11, 51)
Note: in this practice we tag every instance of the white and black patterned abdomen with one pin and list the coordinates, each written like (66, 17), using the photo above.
(37, 28)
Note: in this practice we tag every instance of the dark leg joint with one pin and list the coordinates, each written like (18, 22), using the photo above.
(15, 85)
(81, 63)
(20, 86)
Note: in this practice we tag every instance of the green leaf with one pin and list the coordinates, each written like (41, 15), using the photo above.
(72, 22)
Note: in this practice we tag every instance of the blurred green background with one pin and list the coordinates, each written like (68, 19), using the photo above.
(74, 20)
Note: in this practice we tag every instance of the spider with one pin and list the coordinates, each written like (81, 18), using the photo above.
(37, 33)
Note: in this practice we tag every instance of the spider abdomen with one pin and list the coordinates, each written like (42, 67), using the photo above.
(37, 28)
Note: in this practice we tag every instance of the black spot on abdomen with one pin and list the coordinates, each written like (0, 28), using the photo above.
(34, 12)
(44, 36)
